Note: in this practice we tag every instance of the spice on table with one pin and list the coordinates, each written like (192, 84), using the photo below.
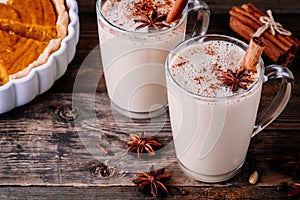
(152, 182)
(142, 144)
(101, 169)
(102, 148)
(293, 163)
(253, 178)
(292, 188)
(295, 190)
(282, 186)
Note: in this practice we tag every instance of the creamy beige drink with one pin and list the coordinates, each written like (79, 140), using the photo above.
(213, 102)
(212, 124)
(135, 41)
(133, 61)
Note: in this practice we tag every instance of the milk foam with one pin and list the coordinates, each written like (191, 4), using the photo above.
(122, 13)
(198, 68)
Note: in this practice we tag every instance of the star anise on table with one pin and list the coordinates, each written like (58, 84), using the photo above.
(293, 163)
(152, 19)
(142, 144)
(295, 190)
(292, 188)
(236, 79)
(152, 182)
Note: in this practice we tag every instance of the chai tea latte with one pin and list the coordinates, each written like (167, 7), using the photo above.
(133, 53)
(212, 124)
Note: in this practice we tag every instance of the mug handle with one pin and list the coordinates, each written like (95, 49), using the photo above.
(270, 113)
(203, 16)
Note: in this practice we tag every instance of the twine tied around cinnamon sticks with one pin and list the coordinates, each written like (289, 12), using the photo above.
(269, 22)
(280, 49)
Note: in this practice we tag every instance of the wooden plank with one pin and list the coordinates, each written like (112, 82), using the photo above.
(39, 147)
(113, 192)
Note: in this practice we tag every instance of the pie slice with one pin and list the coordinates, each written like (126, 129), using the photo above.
(37, 32)
(17, 52)
(41, 12)
(30, 31)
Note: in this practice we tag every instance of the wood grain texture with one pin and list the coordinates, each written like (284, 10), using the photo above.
(39, 147)
(52, 148)
(91, 193)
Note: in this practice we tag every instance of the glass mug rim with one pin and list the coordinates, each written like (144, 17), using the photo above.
(121, 30)
(213, 37)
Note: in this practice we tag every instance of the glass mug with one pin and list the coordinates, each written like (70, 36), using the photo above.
(212, 134)
(133, 62)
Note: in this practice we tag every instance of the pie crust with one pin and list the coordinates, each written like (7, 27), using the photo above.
(30, 31)
(20, 91)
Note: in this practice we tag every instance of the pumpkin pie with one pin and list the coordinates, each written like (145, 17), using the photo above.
(30, 30)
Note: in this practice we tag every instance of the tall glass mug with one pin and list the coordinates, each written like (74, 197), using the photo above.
(133, 60)
(212, 125)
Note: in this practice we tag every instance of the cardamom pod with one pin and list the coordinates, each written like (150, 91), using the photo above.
(253, 178)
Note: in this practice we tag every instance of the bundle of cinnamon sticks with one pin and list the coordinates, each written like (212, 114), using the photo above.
(280, 49)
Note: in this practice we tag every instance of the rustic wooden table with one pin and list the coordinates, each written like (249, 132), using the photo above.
(68, 144)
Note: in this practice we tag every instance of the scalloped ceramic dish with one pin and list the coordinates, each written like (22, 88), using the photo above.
(21, 91)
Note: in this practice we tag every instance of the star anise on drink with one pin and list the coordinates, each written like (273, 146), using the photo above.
(236, 79)
(152, 19)
(141, 144)
(152, 182)
(293, 163)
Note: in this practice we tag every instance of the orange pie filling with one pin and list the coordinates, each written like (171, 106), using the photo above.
(30, 30)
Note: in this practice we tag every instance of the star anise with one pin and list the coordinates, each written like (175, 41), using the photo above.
(152, 19)
(295, 190)
(141, 144)
(152, 181)
(236, 80)
(293, 163)
(292, 188)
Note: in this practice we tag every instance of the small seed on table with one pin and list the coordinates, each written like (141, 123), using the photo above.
(253, 177)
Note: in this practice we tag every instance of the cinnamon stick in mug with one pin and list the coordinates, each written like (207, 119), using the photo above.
(253, 54)
(176, 11)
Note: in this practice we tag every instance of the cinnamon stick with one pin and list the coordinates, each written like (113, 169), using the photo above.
(176, 11)
(253, 54)
(279, 49)
(252, 10)
(254, 22)
(246, 32)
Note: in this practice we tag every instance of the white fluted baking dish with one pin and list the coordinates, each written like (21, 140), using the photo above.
(21, 91)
